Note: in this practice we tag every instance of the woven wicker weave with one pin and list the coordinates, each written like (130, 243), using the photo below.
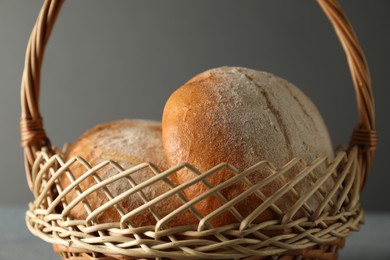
(318, 234)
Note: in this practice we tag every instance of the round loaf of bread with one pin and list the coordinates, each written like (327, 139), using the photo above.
(242, 116)
(128, 143)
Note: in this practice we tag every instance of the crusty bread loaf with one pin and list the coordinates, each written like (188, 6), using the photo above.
(241, 116)
(128, 143)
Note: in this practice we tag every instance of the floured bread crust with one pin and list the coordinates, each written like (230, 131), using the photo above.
(242, 116)
(128, 143)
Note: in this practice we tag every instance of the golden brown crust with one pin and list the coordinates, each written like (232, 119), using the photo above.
(240, 116)
(128, 143)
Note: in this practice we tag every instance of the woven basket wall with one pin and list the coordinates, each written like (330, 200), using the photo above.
(314, 233)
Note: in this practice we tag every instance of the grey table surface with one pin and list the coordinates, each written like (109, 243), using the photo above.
(16, 242)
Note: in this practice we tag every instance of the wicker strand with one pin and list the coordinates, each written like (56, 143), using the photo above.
(356, 60)
(366, 139)
(32, 132)
(33, 135)
(364, 135)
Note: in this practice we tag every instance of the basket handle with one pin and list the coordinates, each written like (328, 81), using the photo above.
(34, 138)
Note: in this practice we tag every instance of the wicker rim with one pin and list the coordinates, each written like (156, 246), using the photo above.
(34, 137)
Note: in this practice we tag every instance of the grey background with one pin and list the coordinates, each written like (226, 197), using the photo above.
(109, 60)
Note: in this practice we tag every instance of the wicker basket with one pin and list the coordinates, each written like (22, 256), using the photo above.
(317, 235)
